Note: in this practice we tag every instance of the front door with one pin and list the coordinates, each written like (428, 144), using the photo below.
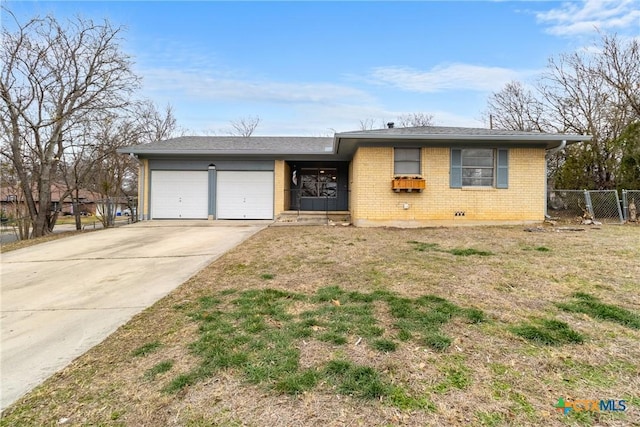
(320, 187)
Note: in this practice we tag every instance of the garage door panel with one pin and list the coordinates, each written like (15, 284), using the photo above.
(244, 195)
(179, 194)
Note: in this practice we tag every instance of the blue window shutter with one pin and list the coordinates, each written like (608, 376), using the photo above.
(455, 180)
(502, 175)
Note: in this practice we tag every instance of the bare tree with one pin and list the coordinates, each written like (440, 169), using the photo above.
(77, 166)
(367, 124)
(112, 170)
(516, 108)
(92, 144)
(595, 92)
(403, 121)
(618, 65)
(414, 120)
(114, 176)
(156, 125)
(54, 76)
(13, 209)
(580, 101)
(245, 126)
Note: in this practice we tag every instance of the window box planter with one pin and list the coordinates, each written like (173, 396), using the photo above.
(408, 184)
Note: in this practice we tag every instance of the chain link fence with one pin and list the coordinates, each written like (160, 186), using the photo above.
(600, 205)
(631, 204)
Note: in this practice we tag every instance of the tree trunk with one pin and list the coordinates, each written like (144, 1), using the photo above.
(76, 209)
(40, 221)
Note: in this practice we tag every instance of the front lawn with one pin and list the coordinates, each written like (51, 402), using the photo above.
(345, 326)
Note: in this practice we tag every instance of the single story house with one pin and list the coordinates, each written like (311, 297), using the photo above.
(405, 177)
(12, 200)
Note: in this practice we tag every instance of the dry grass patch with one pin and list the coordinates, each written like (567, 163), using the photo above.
(335, 326)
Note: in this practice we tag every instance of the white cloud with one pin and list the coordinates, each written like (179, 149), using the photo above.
(448, 77)
(573, 18)
(322, 120)
(205, 101)
(199, 86)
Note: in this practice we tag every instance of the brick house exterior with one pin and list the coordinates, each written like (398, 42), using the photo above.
(457, 176)
(374, 203)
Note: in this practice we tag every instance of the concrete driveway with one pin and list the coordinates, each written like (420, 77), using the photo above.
(60, 298)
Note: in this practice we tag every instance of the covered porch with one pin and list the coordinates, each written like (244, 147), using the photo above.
(321, 186)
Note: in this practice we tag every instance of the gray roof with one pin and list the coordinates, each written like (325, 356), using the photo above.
(433, 132)
(236, 145)
(344, 144)
(441, 135)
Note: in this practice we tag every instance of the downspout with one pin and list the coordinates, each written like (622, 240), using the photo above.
(140, 213)
(547, 156)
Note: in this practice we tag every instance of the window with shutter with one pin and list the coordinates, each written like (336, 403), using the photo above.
(479, 167)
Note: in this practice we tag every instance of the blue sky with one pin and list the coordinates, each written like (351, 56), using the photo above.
(312, 68)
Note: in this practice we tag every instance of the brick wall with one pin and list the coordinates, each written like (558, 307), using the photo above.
(373, 202)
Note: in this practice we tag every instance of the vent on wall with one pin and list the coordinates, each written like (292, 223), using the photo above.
(459, 213)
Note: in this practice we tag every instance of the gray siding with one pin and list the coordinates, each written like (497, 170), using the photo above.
(221, 165)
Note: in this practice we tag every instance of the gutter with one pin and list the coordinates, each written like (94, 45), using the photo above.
(550, 152)
(467, 137)
(350, 140)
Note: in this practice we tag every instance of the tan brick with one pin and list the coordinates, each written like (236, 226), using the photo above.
(373, 201)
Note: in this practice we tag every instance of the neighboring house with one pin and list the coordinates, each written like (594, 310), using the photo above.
(13, 203)
(404, 177)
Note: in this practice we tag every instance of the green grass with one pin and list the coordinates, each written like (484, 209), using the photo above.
(147, 348)
(208, 301)
(436, 341)
(354, 380)
(400, 398)
(158, 369)
(422, 318)
(474, 315)
(592, 306)
(424, 247)
(333, 337)
(429, 247)
(456, 377)
(384, 345)
(297, 382)
(469, 252)
(490, 419)
(254, 333)
(548, 332)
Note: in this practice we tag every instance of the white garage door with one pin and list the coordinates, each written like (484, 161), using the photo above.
(179, 194)
(244, 195)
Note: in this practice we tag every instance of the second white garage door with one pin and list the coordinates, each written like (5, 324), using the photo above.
(244, 195)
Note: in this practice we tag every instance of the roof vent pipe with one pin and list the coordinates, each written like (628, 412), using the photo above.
(390, 125)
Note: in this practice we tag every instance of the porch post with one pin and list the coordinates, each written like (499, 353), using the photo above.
(212, 192)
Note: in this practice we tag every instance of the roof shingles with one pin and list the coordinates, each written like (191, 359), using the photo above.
(237, 144)
(312, 146)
